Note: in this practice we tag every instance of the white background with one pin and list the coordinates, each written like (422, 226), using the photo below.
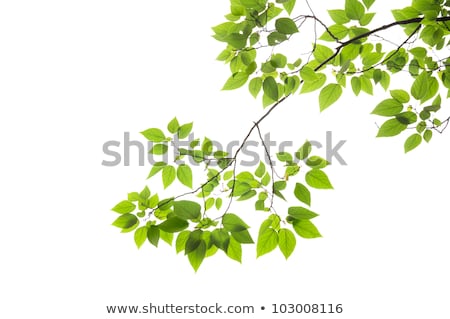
(75, 74)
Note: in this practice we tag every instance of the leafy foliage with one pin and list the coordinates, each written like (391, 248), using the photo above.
(343, 55)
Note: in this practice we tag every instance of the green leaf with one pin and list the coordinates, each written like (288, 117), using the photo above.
(173, 225)
(243, 237)
(158, 166)
(260, 170)
(407, 117)
(168, 175)
(412, 142)
(197, 256)
(278, 60)
(193, 241)
(391, 127)
(366, 85)
(218, 203)
(419, 88)
(234, 250)
(140, 235)
(322, 53)
(154, 135)
(314, 85)
(400, 95)
(334, 32)
(304, 151)
(276, 38)
(354, 9)
(289, 6)
(338, 16)
(270, 88)
(153, 235)
(284, 157)
(182, 238)
(306, 229)
(316, 162)
(302, 193)
(286, 242)
(267, 241)
(427, 135)
(329, 95)
(187, 209)
(221, 239)
(184, 174)
(286, 26)
(167, 237)
(255, 86)
(356, 85)
(233, 223)
(124, 207)
(308, 74)
(236, 81)
(298, 212)
(159, 149)
(368, 3)
(318, 179)
(266, 179)
(173, 126)
(185, 130)
(125, 221)
(366, 19)
(388, 107)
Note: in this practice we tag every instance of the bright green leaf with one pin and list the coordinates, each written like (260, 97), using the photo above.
(329, 95)
(286, 26)
(124, 207)
(184, 174)
(286, 242)
(302, 193)
(318, 179)
(233, 223)
(388, 107)
(154, 135)
(173, 225)
(306, 229)
(168, 175)
(412, 142)
(140, 235)
(270, 88)
(391, 127)
(267, 241)
(125, 221)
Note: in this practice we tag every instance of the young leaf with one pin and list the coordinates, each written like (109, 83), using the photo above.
(318, 179)
(306, 229)
(167, 237)
(289, 6)
(412, 142)
(260, 170)
(302, 193)
(286, 242)
(168, 175)
(187, 209)
(356, 85)
(388, 107)
(304, 151)
(419, 88)
(154, 135)
(124, 207)
(158, 166)
(185, 130)
(314, 85)
(173, 126)
(329, 94)
(140, 235)
(233, 223)
(267, 241)
(286, 26)
(338, 16)
(184, 174)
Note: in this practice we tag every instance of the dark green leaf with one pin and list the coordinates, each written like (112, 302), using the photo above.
(286, 26)
(197, 256)
(182, 238)
(173, 225)
(187, 209)
(153, 235)
(276, 38)
(193, 241)
(354, 9)
(427, 135)
(242, 237)
(221, 239)
(233, 223)
(270, 88)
